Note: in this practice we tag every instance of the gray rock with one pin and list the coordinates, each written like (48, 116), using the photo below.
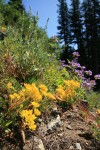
(32, 143)
(39, 144)
(42, 128)
(69, 127)
(55, 112)
(54, 123)
(29, 144)
(71, 147)
(78, 146)
(60, 134)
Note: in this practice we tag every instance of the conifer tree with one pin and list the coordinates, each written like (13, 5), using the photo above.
(12, 11)
(91, 12)
(17, 4)
(63, 25)
(76, 28)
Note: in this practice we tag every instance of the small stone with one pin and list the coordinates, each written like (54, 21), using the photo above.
(87, 143)
(71, 147)
(75, 110)
(40, 120)
(28, 145)
(60, 134)
(55, 112)
(39, 143)
(78, 146)
(69, 127)
(54, 123)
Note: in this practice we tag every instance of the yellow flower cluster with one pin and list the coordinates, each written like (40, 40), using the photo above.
(98, 111)
(32, 95)
(33, 92)
(43, 87)
(9, 85)
(30, 91)
(14, 97)
(72, 84)
(28, 118)
(35, 104)
(37, 112)
(44, 92)
(68, 91)
(50, 96)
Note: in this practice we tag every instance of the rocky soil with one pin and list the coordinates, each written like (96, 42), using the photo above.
(57, 131)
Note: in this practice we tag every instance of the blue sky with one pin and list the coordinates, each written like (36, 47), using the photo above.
(46, 9)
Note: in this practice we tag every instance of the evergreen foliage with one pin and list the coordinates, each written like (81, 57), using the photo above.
(63, 27)
(11, 12)
(17, 4)
(76, 28)
(91, 12)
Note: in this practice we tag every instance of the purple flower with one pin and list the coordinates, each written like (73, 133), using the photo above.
(86, 82)
(76, 71)
(64, 65)
(83, 67)
(89, 72)
(89, 84)
(86, 85)
(97, 76)
(79, 73)
(93, 83)
(62, 61)
(76, 65)
(76, 54)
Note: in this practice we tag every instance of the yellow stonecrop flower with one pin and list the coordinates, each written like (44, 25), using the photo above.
(98, 111)
(50, 96)
(43, 87)
(33, 92)
(22, 93)
(60, 91)
(28, 117)
(33, 96)
(21, 105)
(72, 83)
(35, 104)
(14, 97)
(11, 97)
(43, 93)
(28, 92)
(43, 90)
(37, 112)
(9, 85)
(68, 91)
(32, 126)
(60, 87)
